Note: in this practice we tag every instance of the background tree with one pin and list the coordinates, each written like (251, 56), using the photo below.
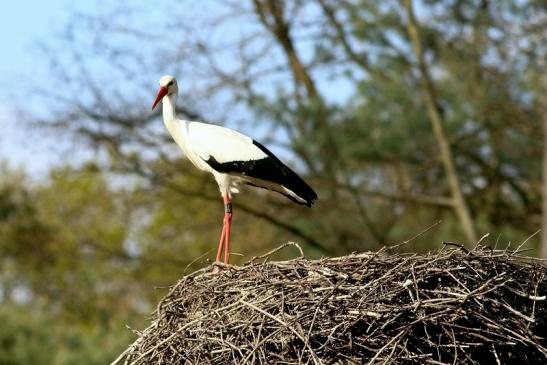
(385, 110)
(398, 113)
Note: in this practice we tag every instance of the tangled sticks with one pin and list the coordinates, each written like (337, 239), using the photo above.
(451, 306)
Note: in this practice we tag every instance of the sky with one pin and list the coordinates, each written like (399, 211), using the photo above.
(21, 31)
(22, 68)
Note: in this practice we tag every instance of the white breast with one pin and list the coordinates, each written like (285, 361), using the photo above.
(180, 133)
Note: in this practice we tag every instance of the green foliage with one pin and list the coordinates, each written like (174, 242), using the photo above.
(24, 338)
(31, 337)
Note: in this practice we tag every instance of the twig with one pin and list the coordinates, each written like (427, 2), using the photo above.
(269, 253)
(462, 247)
(416, 236)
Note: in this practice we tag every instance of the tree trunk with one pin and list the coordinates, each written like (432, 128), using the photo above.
(458, 199)
(543, 102)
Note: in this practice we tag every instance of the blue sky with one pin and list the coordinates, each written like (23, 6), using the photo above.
(22, 69)
(23, 25)
(21, 29)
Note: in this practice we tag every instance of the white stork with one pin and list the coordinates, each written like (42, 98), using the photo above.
(232, 158)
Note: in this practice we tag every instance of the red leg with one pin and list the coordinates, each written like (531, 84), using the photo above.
(220, 245)
(227, 242)
(224, 242)
(228, 225)
(221, 241)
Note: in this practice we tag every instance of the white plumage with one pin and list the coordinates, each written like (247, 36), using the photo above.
(223, 143)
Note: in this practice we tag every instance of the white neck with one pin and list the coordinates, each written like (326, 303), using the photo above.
(169, 113)
(176, 127)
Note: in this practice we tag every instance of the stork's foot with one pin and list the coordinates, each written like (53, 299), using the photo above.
(217, 269)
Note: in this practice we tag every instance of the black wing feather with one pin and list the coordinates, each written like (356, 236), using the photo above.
(269, 169)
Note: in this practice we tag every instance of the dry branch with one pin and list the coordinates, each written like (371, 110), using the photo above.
(480, 307)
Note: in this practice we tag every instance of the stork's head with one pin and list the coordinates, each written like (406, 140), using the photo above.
(168, 86)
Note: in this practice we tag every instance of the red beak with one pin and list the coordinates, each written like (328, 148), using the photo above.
(161, 93)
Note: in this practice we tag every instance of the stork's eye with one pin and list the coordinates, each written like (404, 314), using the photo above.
(170, 83)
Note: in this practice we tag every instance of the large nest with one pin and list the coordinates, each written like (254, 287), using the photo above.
(452, 306)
